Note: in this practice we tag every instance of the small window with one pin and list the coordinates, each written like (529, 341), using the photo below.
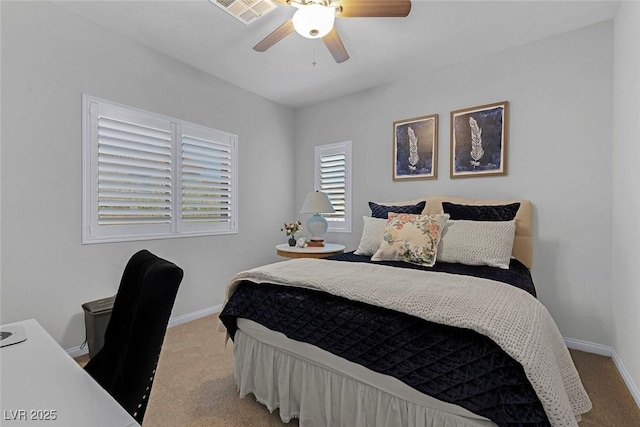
(147, 176)
(333, 177)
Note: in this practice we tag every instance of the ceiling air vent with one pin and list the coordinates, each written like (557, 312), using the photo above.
(245, 11)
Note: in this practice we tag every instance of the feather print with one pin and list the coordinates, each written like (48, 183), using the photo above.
(413, 149)
(476, 142)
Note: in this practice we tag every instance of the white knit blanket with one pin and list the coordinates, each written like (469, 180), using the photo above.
(511, 317)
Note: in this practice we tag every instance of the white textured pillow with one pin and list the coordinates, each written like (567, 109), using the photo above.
(371, 235)
(477, 242)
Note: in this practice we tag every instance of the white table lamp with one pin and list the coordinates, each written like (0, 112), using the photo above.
(317, 203)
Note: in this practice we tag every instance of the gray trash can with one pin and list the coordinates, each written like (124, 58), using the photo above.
(96, 318)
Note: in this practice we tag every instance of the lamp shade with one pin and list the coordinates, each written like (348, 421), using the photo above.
(314, 21)
(317, 202)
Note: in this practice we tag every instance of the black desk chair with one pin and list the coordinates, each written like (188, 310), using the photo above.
(126, 364)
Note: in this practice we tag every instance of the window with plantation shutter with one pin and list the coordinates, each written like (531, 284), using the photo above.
(134, 172)
(206, 184)
(147, 176)
(333, 177)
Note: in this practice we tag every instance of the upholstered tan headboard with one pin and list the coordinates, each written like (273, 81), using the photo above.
(522, 250)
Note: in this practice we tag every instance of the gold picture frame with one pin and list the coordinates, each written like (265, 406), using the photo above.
(479, 140)
(415, 148)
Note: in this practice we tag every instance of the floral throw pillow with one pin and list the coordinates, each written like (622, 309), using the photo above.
(411, 238)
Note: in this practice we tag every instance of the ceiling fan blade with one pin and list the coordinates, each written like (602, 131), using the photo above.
(278, 34)
(333, 42)
(372, 8)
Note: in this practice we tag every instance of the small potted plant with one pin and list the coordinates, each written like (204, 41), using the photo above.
(291, 229)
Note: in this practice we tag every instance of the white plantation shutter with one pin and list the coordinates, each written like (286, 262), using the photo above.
(148, 176)
(332, 181)
(333, 177)
(207, 179)
(134, 173)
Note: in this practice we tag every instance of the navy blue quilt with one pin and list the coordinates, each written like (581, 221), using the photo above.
(452, 364)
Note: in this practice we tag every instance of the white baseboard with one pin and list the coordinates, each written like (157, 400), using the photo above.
(174, 321)
(589, 347)
(179, 320)
(605, 350)
(78, 351)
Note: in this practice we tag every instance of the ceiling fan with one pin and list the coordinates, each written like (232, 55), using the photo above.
(314, 19)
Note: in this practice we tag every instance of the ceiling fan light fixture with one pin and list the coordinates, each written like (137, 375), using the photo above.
(314, 20)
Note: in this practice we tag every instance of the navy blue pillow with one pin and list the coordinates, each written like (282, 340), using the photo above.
(481, 213)
(382, 211)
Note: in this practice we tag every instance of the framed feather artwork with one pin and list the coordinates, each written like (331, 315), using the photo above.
(415, 148)
(479, 140)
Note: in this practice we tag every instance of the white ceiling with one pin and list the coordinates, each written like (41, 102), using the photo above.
(381, 50)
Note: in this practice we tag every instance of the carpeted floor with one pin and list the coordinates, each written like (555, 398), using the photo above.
(613, 404)
(194, 386)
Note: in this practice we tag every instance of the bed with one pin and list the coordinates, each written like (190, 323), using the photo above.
(406, 333)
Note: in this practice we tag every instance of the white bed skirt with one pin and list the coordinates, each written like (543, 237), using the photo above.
(320, 393)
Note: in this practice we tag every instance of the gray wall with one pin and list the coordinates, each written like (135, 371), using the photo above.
(49, 58)
(626, 191)
(559, 157)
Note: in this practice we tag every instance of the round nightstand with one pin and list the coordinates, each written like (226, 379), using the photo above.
(309, 252)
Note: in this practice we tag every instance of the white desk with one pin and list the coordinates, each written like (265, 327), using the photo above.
(42, 385)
